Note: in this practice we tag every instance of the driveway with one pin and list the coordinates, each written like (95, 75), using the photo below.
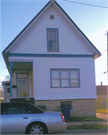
(102, 116)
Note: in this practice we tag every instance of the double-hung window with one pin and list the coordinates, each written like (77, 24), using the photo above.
(65, 78)
(55, 78)
(52, 39)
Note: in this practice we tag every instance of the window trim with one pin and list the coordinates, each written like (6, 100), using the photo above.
(57, 39)
(69, 77)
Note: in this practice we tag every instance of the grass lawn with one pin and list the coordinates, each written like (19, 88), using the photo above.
(102, 110)
(79, 119)
(87, 126)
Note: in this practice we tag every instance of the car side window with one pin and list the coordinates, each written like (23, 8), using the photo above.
(32, 109)
(11, 110)
(2, 108)
(23, 111)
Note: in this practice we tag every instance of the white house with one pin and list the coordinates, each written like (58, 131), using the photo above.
(51, 63)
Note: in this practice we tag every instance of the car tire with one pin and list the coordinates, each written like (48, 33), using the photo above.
(36, 128)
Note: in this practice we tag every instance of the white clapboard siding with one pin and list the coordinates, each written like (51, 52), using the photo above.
(34, 38)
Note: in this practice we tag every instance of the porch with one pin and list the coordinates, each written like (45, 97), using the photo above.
(21, 81)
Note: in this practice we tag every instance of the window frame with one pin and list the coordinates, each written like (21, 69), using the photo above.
(61, 78)
(104, 104)
(48, 40)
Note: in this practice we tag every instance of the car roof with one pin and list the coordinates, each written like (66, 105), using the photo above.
(15, 103)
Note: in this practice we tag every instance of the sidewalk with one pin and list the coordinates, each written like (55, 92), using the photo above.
(87, 122)
(98, 115)
(86, 132)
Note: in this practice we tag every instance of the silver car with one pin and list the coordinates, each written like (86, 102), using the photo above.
(24, 118)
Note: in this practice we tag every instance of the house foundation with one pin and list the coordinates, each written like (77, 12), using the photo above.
(81, 108)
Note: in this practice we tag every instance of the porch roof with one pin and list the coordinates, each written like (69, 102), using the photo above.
(21, 66)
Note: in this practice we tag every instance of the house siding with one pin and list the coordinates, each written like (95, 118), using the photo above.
(42, 85)
(34, 39)
(41, 77)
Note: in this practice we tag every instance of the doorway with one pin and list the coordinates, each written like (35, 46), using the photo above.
(22, 85)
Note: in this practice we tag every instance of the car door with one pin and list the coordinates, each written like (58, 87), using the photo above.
(14, 119)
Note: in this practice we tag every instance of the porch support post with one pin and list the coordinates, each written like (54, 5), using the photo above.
(31, 63)
(11, 65)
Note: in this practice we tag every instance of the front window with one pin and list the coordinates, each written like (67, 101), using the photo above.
(55, 78)
(52, 39)
(64, 78)
(67, 78)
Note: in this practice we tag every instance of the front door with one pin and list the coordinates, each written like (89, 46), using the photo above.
(22, 81)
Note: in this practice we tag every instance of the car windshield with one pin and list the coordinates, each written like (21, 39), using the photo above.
(32, 109)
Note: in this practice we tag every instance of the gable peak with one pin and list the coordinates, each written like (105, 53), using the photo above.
(52, 0)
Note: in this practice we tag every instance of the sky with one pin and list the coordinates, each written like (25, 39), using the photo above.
(92, 20)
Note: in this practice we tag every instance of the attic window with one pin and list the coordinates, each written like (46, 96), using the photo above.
(52, 39)
(51, 16)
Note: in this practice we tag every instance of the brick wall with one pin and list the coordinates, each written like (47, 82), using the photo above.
(84, 107)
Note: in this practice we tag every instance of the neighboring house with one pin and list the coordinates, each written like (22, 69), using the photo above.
(51, 63)
(6, 89)
(1, 95)
(102, 96)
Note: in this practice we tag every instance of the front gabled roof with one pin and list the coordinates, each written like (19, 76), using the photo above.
(27, 25)
(43, 9)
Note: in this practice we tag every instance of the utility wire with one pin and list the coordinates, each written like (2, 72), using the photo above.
(101, 39)
(105, 72)
(85, 4)
(102, 73)
(101, 55)
(104, 51)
